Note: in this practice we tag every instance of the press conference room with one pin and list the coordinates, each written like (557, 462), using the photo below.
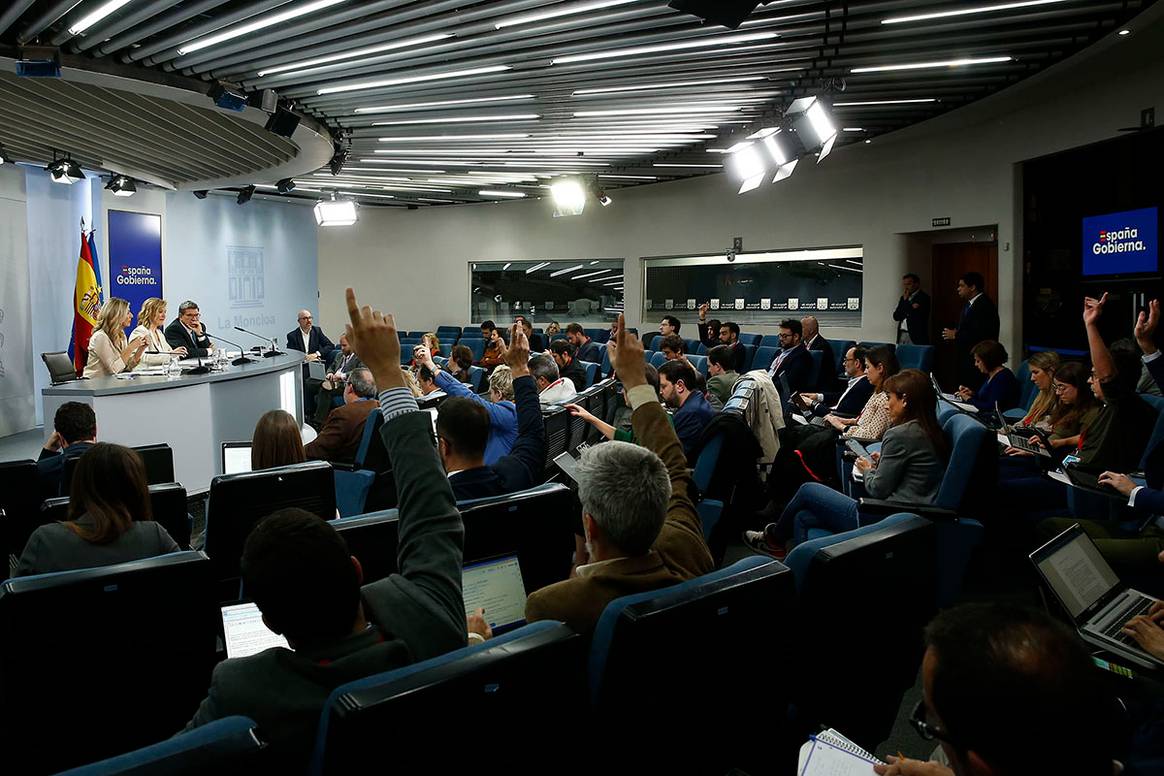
(559, 386)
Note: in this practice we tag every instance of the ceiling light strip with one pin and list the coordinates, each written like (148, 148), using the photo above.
(707, 42)
(310, 63)
(301, 9)
(414, 79)
(931, 65)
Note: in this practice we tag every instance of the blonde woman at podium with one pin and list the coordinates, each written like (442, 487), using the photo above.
(151, 324)
(109, 352)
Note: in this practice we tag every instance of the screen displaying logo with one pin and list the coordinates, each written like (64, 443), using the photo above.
(1120, 243)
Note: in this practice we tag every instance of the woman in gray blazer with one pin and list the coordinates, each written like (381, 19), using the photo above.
(909, 468)
(109, 518)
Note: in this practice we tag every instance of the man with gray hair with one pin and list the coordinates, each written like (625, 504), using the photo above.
(552, 388)
(642, 530)
(340, 437)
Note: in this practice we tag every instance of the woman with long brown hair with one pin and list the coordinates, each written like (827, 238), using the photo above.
(277, 441)
(109, 518)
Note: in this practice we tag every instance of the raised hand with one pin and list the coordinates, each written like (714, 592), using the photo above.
(1093, 309)
(1146, 327)
(373, 338)
(516, 357)
(626, 356)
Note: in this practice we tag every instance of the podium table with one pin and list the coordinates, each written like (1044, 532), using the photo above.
(194, 414)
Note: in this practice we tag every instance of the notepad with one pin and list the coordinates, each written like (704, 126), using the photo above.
(831, 754)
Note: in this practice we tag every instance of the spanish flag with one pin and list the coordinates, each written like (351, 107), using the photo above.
(86, 305)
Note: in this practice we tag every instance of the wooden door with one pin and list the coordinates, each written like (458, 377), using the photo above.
(951, 261)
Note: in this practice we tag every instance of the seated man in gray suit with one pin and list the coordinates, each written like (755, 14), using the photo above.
(298, 571)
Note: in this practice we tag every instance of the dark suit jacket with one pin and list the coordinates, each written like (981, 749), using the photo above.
(415, 615)
(678, 554)
(342, 432)
(978, 323)
(591, 352)
(50, 467)
(537, 343)
(525, 463)
(798, 367)
(853, 401)
(575, 374)
(826, 379)
(337, 360)
(179, 337)
(917, 322)
(317, 342)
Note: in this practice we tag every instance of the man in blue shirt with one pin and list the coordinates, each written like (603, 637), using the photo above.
(678, 386)
(502, 411)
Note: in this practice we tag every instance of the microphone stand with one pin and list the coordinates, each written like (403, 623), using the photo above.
(274, 351)
(242, 359)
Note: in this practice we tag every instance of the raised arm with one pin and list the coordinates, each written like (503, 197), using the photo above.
(530, 447)
(431, 535)
(1101, 359)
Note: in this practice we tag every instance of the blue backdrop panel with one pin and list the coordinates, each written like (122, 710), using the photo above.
(135, 257)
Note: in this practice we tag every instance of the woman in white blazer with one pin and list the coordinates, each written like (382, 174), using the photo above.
(109, 352)
(151, 324)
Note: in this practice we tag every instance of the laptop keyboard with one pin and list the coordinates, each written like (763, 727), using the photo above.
(1137, 607)
(1019, 443)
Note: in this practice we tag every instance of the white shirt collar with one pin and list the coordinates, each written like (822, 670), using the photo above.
(975, 298)
(589, 568)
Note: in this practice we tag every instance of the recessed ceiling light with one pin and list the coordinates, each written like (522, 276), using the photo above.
(966, 11)
(413, 79)
(231, 33)
(929, 65)
(707, 42)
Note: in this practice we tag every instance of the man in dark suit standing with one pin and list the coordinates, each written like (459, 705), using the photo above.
(463, 432)
(311, 340)
(826, 380)
(188, 331)
(340, 437)
(309, 588)
(912, 313)
(979, 322)
(793, 360)
(74, 432)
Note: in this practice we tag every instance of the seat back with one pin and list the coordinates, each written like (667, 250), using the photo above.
(764, 357)
(228, 746)
(750, 339)
(606, 368)
(770, 341)
(537, 525)
(75, 641)
(237, 503)
(592, 374)
(730, 621)
(476, 346)
(969, 441)
(886, 575)
(749, 356)
(60, 367)
(657, 359)
(528, 680)
(916, 357)
(1027, 390)
(480, 378)
(19, 508)
(706, 464)
(556, 420)
(700, 364)
(692, 346)
(372, 425)
(157, 458)
(649, 338)
(167, 503)
(351, 491)
(598, 335)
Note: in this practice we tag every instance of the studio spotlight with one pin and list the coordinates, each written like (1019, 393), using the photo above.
(775, 145)
(121, 186)
(749, 166)
(569, 197)
(38, 62)
(227, 97)
(201, 193)
(65, 171)
(812, 126)
(283, 122)
(285, 186)
(5, 157)
(245, 195)
(335, 212)
(603, 198)
(338, 159)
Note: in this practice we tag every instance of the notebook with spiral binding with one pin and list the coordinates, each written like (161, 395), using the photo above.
(831, 754)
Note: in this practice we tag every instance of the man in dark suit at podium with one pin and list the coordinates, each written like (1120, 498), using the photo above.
(912, 313)
(979, 321)
(311, 340)
(188, 331)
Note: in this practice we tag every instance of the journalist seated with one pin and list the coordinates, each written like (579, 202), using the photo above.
(74, 432)
(340, 437)
(552, 387)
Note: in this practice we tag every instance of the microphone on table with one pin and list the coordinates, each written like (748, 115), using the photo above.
(274, 351)
(242, 359)
(201, 369)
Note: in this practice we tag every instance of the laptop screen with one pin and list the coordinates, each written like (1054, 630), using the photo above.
(1075, 571)
(244, 631)
(236, 457)
(495, 585)
(432, 411)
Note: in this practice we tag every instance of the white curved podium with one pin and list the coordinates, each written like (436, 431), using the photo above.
(194, 414)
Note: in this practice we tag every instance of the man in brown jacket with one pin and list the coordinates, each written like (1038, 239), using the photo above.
(340, 437)
(642, 530)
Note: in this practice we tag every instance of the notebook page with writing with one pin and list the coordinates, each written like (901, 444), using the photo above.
(825, 759)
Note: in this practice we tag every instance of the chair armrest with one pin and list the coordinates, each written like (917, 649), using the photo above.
(924, 510)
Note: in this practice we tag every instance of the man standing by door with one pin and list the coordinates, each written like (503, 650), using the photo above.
(912, 313)
(979, 321)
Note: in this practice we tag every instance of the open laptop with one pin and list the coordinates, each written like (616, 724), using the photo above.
(236, 457)
(1096, 600)
(495, 585)
(953, 398)
(245, 633)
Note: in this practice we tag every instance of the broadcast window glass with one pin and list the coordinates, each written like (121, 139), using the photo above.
(562, 290)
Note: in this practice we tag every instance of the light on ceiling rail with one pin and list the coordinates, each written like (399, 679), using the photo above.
(121, 186)
(87, 21)
(481, 119)
(932, 65)
(672, 85)
(708, 42)
(335, 212)
(455, 138)
(300, 9)
(309, 63)
(65, 171)
(677, 110)
(413, 79)
(569, 197)
(866, 103)
(921, 17)
(530, 18)
(245, 194)
(503, 194)
(805, 128)
(442, 104)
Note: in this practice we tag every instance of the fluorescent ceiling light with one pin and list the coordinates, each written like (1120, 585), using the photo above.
(557, 272)
(592, 274)
(309, 63)
(707, 42)
(669, 164)
(862, 103)
(442, 138)
(367, 194)
(295, 12)
(966, 11)
(507, 265)
(536, 267)
(569, 10)
(449, 162)
(462, 119)
(413, 79)
(633, 177)
(441, 103)
(511, 194)
(100, 13)
(852, 129)
(673, 85)
(929, 65)
(659, 111)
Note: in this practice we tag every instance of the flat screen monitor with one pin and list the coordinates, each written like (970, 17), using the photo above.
(1121, 244)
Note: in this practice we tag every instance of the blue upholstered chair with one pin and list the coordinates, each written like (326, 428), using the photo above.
(917, 357)
(592, 375)
(227, 745)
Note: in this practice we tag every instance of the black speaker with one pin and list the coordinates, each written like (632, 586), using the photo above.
(283, 122)
(729, 13)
